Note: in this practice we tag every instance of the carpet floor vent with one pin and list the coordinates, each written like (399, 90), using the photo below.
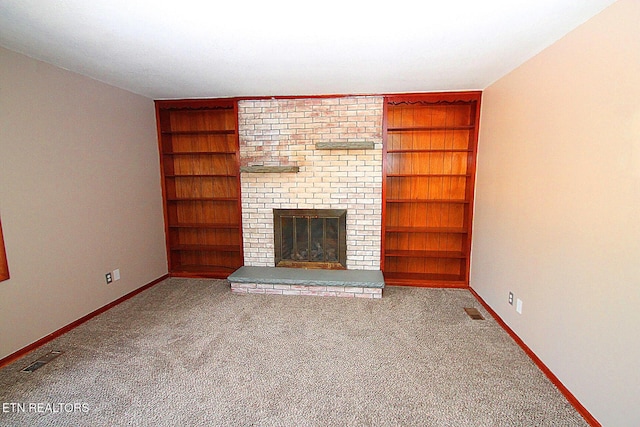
(474, 313)
(42, 361)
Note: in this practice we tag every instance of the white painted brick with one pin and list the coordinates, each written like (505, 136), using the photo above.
(325, 180)
(351, 289)
(245, 285)
(369, 296)
(345, 295)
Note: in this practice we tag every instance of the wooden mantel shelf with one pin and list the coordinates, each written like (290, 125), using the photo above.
(270, 169)
(341, 145)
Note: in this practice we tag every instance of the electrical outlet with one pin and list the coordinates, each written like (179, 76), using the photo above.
(519, 306)
(116, 274)
(511, 298)
(108, 277)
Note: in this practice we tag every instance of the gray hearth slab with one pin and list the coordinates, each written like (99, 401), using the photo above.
(308, 277)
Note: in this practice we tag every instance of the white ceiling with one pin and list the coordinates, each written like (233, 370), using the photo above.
(198, 48)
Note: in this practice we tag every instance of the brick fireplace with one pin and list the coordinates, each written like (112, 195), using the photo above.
(314, 153)
(310, 238)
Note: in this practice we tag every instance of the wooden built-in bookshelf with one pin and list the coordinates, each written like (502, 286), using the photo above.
(199, 156)
(429, 156)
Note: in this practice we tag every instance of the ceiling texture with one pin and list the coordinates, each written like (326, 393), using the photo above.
(200, 49)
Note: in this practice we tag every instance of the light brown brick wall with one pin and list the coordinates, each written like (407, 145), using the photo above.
(279, 132)
(322, 291)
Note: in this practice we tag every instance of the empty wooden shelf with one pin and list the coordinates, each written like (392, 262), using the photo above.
(201, 186)
(430, 144)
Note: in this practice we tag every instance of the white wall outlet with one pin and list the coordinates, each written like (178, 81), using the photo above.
(511, 298)
(116, 274)
(519, 306)
(108, 277)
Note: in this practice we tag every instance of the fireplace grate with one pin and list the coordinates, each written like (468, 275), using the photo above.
(310, 238)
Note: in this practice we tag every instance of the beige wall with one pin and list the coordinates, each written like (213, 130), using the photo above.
(558, 209)
(79, 196)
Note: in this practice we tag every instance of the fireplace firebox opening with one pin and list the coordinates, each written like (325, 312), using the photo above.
(310, 238)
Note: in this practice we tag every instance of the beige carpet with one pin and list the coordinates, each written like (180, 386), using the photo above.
(189, 353)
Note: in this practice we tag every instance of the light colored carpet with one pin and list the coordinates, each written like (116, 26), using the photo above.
(190, 353)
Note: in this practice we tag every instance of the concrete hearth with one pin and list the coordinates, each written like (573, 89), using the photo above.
(313, 282)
